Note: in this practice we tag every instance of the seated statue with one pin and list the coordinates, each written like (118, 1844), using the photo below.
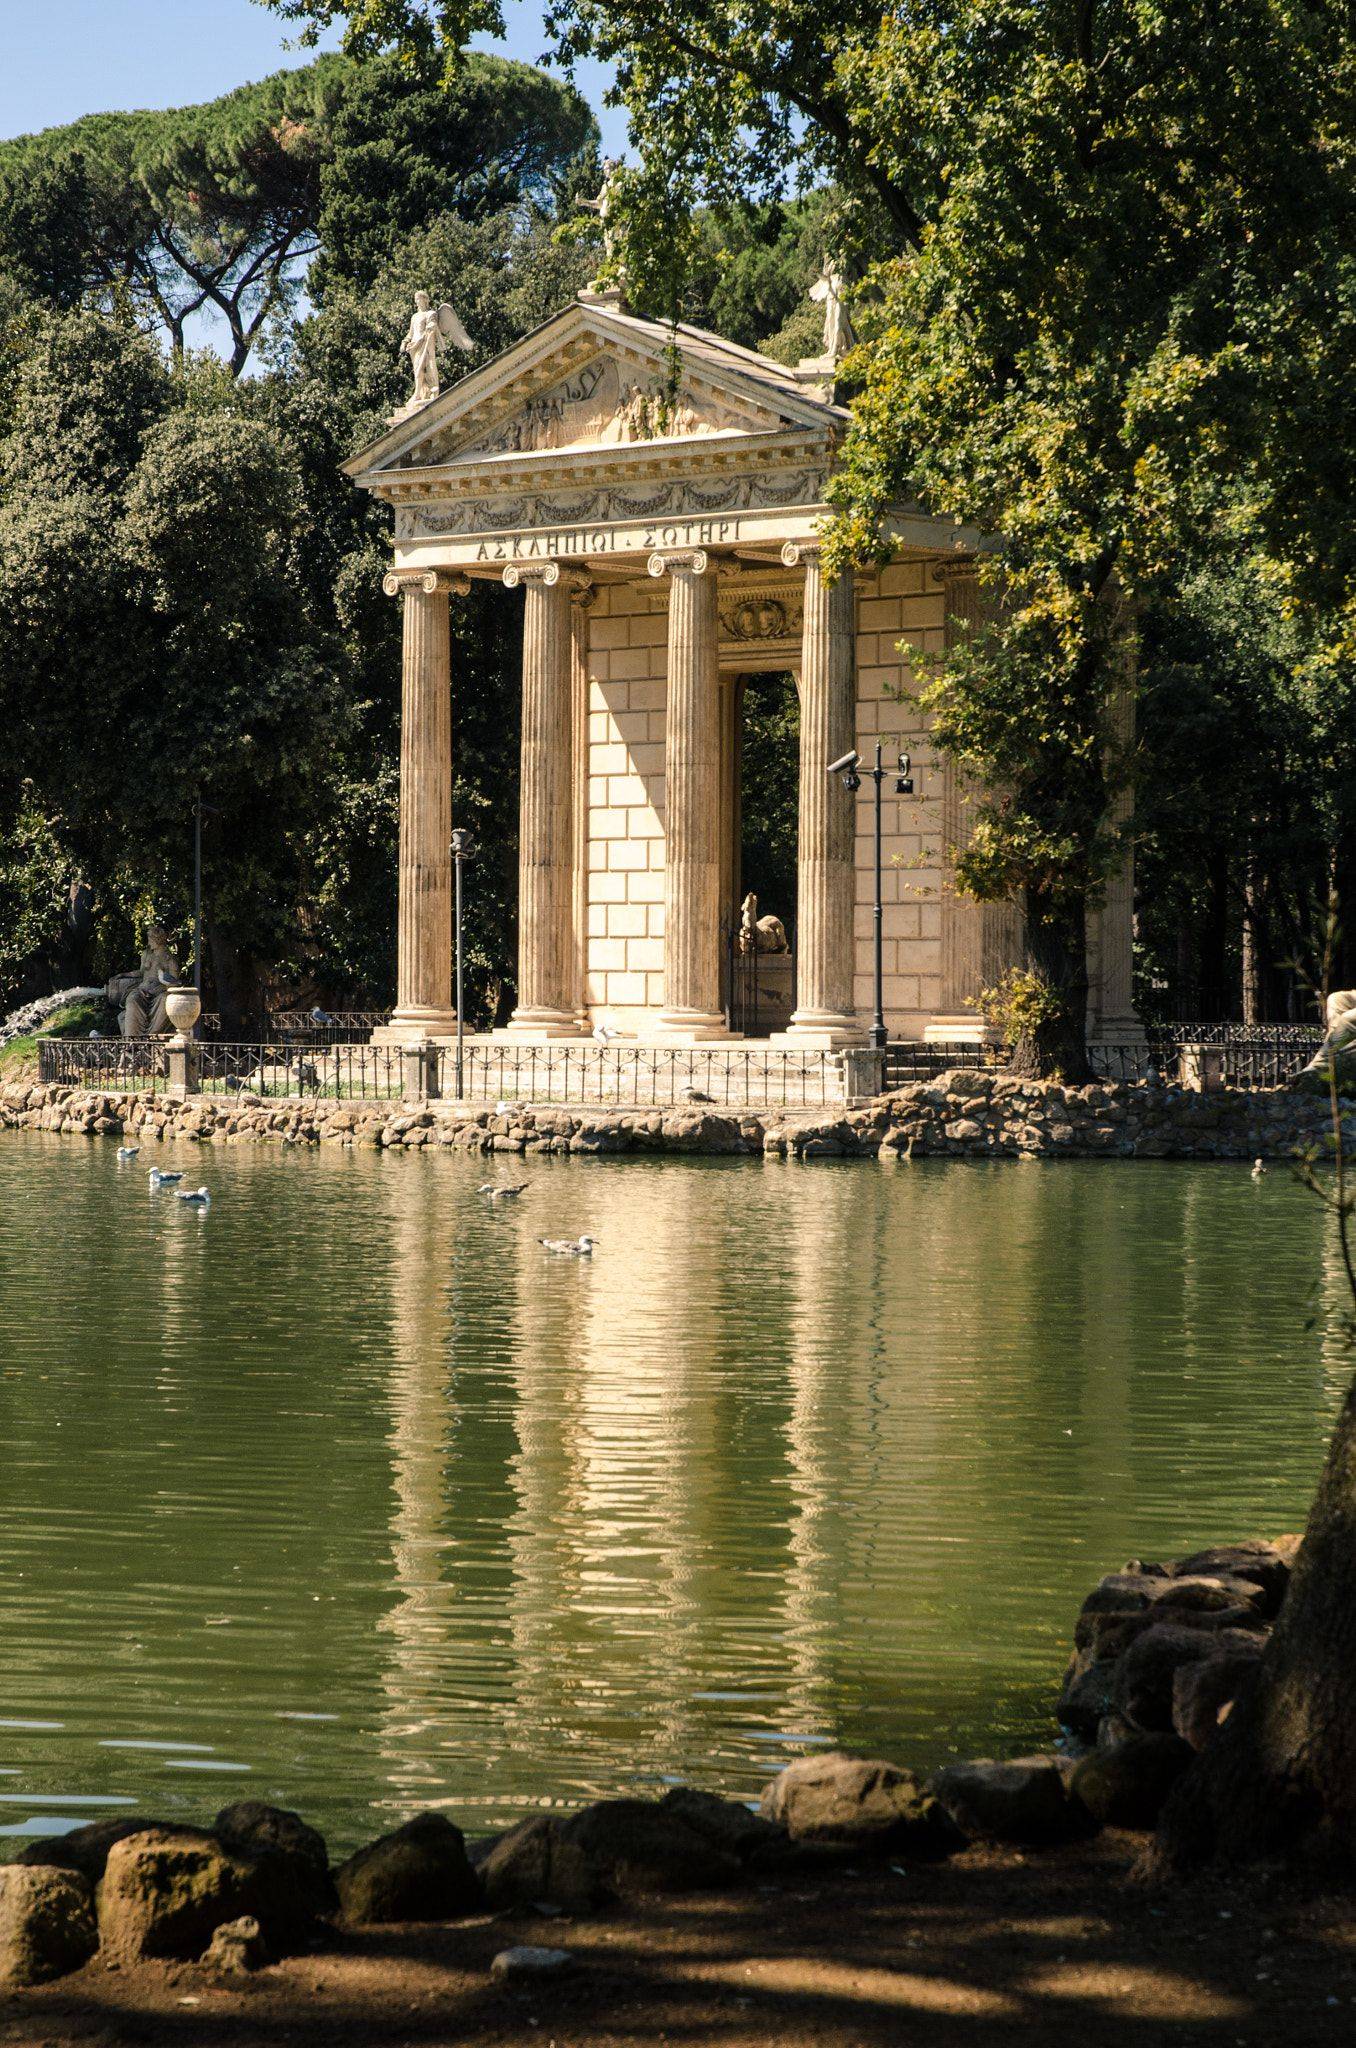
(760, 934)
(1339, 1044)
(139, 997)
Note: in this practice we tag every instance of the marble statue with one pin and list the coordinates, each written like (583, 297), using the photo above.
(140, 995)
(1339, 1043)
(760, 934)
(429, 326)
(830, 292)
(603, 206)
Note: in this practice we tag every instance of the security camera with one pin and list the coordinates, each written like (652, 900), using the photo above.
(844, 764)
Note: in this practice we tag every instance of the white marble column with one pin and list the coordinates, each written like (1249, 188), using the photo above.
(546, 909)
(424, 1005)
(691, 802)
(825, 876)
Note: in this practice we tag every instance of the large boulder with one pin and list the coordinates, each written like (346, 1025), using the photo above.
(1146, 1673)
(1203, 1691)
(282, 1844)
(532, 1863)
(1025, 1799)
(1267, 1564)
(86, 1849)
(166, 1892)
(418, 1872)
(637, 1848)
(1125, 1785)
(47, 1924)
(833, 1801)
(759, 1844)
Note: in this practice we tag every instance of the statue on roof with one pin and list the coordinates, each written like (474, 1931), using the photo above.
(430, 326)
(831, 293)
(604, 206)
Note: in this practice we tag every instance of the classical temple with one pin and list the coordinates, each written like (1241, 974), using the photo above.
(657, 495)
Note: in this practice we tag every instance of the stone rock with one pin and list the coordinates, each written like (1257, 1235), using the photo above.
(532, 1862)
(418, 1872)
(282, 1843)
(528, 1961)
(237, 1948)
(1024, 1800)
(1125, 1785)
(1085, 1697)
(47, 1924)
(1267, 1565)
(1215, 1595)
(1202, 1691)
(758, 1843)
(86, 1849)
(166, 1892)
(638, 1849)
(1146, 1673)
(854, 1803)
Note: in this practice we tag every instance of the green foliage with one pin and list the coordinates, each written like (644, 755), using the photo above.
(19, 1058)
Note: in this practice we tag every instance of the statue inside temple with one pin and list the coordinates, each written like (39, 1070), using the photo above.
(139, 997)
(760, 934)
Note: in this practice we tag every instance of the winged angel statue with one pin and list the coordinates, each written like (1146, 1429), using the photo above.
(430, 325)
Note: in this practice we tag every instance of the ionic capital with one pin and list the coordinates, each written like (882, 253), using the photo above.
(547, 573)
(432, 582)
(680, 562)
(800, 554)
(953, 569)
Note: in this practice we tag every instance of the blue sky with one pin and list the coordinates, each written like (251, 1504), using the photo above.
(63, 58)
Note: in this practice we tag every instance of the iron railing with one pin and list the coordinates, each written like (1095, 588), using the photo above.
(303, 1027)
(334, 1073)
(1252, 1056)
(118, 1063)
(727, 1076)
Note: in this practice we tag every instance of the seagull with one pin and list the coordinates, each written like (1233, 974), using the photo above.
(1258, 1168)
(162, 1180)
(128, 1151)
(500, 1190)
(604, 1034)
(319, 1016)
(96, 1034)
(198, 1196)
(695, 1095)
(569, 1247)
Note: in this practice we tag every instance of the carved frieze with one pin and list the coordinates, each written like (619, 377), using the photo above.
(676, 499)
(602, 405)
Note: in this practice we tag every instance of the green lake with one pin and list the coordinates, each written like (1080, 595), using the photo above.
(344, 1494)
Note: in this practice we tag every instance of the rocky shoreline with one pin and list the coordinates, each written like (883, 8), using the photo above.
(1161, 1652)
(961, 1114)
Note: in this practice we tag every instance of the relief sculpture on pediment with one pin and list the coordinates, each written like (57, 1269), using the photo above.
(602, 406)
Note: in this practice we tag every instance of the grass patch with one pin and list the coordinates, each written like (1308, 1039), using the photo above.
(19, 1059)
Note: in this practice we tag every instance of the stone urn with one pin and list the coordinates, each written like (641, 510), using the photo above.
(183, 1007)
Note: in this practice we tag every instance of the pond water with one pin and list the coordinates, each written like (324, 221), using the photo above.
(344, 1494)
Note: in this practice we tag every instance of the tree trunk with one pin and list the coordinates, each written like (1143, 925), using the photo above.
(1281, 1773)
(1254, 948)
(236, 984)
(1056, 1046)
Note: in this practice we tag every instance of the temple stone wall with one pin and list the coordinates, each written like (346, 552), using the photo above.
(903, 603)
(626, 658)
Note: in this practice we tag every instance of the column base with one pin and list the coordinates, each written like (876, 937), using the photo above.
(691, 1027)
(1127, 1029)
(414, 1021)
(967, 1029)
(821, 1031)
(527, 1025)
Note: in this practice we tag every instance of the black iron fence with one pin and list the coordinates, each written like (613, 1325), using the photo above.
(336, 1073)
(306, 1027)
(1250, 1056)
(728, 1076)
(115, 1063)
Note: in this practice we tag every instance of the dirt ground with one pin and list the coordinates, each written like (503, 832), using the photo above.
(993, 1947)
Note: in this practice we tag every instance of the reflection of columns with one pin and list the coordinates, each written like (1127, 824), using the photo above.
(582, 598)
(691, 824)
(825, 877)
(546, 965)
(424, 947)
(979, 941)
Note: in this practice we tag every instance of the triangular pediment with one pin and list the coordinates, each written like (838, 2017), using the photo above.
(594, 378)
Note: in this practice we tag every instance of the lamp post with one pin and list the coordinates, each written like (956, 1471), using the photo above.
(461, 852)
(848, 766)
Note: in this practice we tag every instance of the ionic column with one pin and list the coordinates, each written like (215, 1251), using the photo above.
(546, 966)
(825, 877)
(424, 934)
(691, 818)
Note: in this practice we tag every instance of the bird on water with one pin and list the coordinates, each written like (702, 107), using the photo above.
(128, 1151)
(199, 1197)
(501, 1190)
(162, 1180)
(1259, 1167)
(569, 1247)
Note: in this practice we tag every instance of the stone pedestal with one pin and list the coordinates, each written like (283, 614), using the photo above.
(692, 1007)
(547, 971)
(424, 943)
(825, 874)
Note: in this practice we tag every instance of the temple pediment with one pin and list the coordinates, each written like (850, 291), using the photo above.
(597, 381)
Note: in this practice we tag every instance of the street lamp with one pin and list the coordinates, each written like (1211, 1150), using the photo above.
(461, 852)
(848, 766)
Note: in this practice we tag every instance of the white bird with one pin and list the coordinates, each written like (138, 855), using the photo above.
(569, 1247)
(604, 1034)
(500, 1190)
(695, 1095)
(162, 1180)
(1258, 1168)
(319, 1016)
(128, 1151)
(198, 1196)
(501, 1107)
